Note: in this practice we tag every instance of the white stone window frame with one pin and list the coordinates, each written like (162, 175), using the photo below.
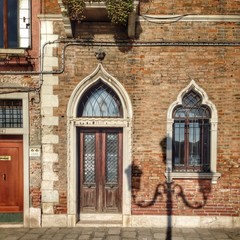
(23, 27)
(213, 174)
(74, 122)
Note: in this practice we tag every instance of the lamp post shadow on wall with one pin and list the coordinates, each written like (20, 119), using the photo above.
(170, 190)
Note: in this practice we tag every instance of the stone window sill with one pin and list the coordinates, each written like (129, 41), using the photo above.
(17, 51)
(188, 175)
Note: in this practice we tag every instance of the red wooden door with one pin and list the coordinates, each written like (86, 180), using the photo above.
(11, 175)
(101, 170)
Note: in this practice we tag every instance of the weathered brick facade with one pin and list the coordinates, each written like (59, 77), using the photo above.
(202, 43)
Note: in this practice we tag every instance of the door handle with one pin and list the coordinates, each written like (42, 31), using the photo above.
(4, 176)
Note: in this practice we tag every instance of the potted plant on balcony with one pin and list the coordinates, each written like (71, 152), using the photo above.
(118, 10)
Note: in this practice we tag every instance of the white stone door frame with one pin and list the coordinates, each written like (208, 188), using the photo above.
(24, 131)
(74, 122)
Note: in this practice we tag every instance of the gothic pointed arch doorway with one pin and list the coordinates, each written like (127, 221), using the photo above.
(99, 153)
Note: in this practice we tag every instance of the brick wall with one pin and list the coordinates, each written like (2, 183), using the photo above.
(50, 7)
(17, 83)
(189, 7)
(169, 7)
(153, 78)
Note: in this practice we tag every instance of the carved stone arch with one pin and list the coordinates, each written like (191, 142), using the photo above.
(213, 142)
(205, 101)
(125, 122)
(99, 74)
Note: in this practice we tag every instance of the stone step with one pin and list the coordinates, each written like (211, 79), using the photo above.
(100, 217)
(99, 223)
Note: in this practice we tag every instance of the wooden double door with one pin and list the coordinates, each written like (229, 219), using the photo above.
(11, 174)
(100, 170)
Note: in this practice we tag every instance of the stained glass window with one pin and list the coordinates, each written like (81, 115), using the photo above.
(100, 101)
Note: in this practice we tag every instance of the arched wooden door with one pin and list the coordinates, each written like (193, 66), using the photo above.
(100, 152)
(100, 168)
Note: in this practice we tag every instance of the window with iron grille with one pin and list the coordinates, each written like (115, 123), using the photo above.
(15, 23)
(191, 135)
(11, 114)
(100, 101)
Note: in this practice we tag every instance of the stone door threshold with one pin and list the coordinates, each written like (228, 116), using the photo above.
(11, 225)
(100, 220)
(99, 224)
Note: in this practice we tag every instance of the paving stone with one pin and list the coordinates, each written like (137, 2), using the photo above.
(46, 237)
(77, 230)
(30, 236)
(63, 231)
(191, 235)
(87, 232)
(113, 237)
(188, 230)
(84, 237)
(37, 230)
(221, 235)
(71, 236)
(10, 237)
(129, 229)
(158, 230)
(192, 238)
(145, 238)
(159, 235)
(99, 234)
(176, 238)
(58, 236)
(118, 234)
(130, 234)
(114, 231)
(144, 235)
(3, 235)
(53, 230)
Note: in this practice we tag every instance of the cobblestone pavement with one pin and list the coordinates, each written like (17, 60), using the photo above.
(117, 233)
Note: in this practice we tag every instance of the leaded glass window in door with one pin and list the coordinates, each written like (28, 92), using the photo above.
(112, 158)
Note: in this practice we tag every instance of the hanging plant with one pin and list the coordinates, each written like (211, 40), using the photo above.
(118, 10)
(75, 9)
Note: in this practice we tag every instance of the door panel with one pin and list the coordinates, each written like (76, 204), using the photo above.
(112, 195)
(100, 170)
(11, 176)
(88, 167)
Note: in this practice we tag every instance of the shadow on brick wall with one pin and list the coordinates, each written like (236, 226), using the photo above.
(168, 190)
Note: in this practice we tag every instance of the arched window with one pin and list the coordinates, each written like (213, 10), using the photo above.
(100, 101)
(191, 135)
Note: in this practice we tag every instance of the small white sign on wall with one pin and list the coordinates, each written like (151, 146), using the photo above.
(35, 152)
